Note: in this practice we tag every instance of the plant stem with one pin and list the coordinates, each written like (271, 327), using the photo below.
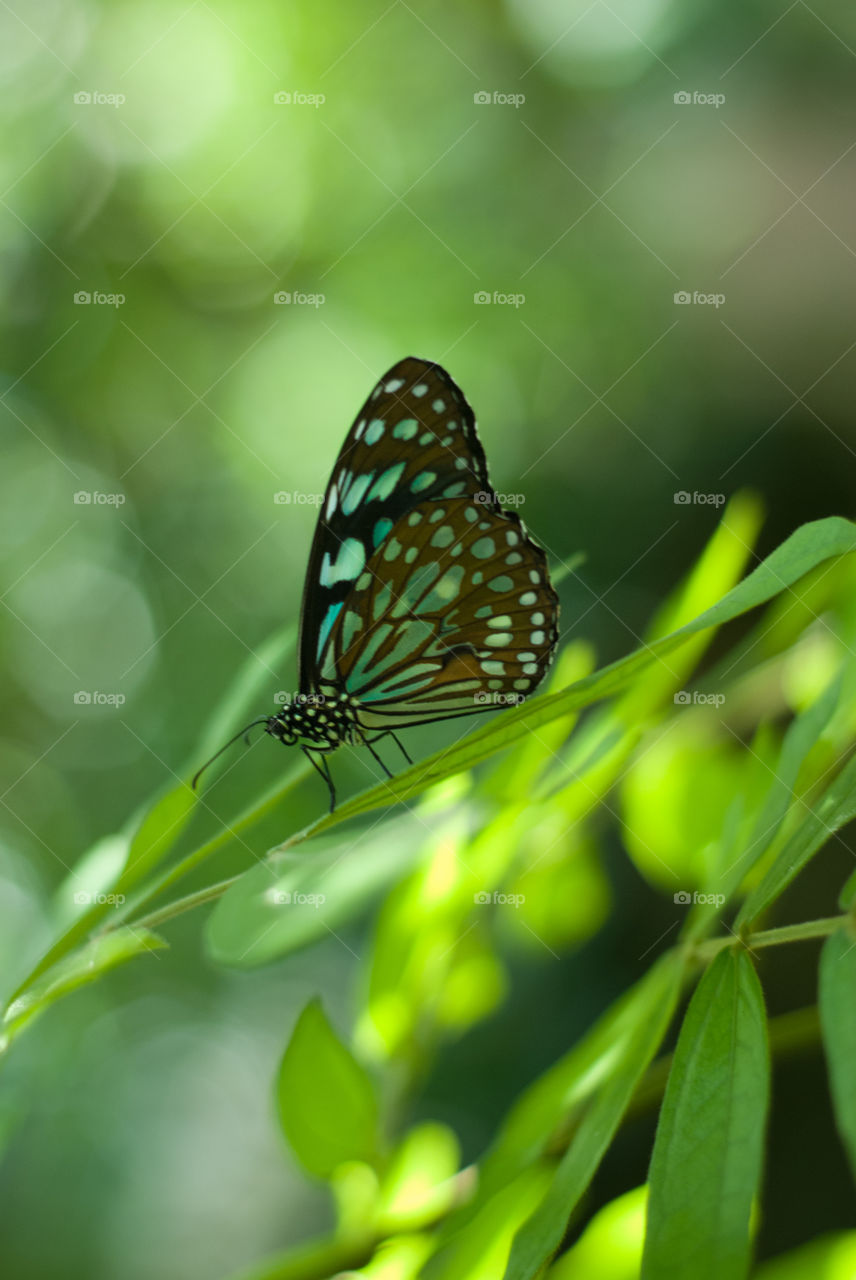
(248, 818)
(803, 932)
(187, 903)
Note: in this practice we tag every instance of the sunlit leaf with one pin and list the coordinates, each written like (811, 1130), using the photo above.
(802, 734)
(400, 1258)
(553, 1105)
(610, 1248)
(826, 815)
(540, 1236)
(565, 897)
(831, 1258)
(706, 1163)
(674, 798)
(417, 1185)
(432, 967)
(327, 1105)
(480, 1249)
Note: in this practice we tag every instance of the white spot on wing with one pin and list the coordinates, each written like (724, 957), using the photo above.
(349, 563)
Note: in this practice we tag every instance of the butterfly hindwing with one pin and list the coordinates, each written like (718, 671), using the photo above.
(413, 441)
(453, 614)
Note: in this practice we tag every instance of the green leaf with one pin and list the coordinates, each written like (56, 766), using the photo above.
(479, 1251)
(326, 1100)
(706, 1164)
(835, 807)
(418, 1185)
(158, 831)
(292, 899)
(610, 1247)
(831, 1258)
(837, 1003)
(539, 1238)
(715, 572)
(802, 734)
(102, 954)
(802, 551)
(847, 896)
(546, 1109)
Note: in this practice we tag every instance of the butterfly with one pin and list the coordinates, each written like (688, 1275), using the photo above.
(423, 599)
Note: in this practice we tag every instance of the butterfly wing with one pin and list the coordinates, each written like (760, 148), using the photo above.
(413, 441)
(453, 614)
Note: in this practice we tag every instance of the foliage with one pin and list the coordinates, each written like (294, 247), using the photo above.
(496, 846)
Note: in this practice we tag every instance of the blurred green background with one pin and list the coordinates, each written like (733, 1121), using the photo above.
(149, 167)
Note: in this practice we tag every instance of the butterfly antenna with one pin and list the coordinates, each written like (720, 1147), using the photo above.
(240, 734)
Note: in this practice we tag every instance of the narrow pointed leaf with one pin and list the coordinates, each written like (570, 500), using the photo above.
(837, 1001)
(835, 808)
(539, 1237)
(706, 1165)
(91, 962)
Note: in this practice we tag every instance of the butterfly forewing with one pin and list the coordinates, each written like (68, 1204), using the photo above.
(414, 441)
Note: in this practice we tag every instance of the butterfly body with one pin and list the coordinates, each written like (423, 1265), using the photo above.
(321, 721)
(424, 599)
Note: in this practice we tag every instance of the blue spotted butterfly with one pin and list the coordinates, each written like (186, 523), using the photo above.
(423, 598)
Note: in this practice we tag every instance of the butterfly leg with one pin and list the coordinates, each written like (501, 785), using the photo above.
(368, 744)
(400, 746)
(324, 770)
